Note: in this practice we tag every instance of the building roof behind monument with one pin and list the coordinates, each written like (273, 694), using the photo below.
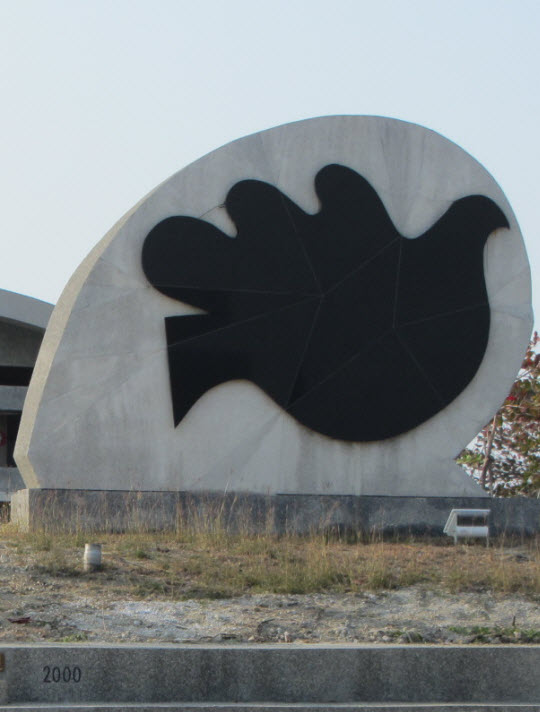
(24, 310)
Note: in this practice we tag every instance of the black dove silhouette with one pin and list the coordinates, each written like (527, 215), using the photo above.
(359, 333)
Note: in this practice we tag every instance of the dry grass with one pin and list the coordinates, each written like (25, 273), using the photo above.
(209, 563)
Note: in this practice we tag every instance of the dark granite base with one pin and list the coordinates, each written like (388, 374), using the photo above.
(93, 510)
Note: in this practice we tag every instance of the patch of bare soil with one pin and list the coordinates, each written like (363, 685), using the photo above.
(39, 603)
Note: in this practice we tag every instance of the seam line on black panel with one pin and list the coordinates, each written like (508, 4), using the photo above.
(396, 291)
(442, 315)
(308, 339)
(231, 324)
(340, 367)
(233, 290)
(361, 266)
(424, 375)
(299, 239)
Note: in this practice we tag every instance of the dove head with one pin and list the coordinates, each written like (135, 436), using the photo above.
(480, 214)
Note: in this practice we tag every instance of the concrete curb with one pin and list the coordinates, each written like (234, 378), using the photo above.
(260, 676)
(215, 707)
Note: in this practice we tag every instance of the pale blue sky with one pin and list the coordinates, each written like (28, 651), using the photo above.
(102, 100)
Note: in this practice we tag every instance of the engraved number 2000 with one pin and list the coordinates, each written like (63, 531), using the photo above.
(66, 674)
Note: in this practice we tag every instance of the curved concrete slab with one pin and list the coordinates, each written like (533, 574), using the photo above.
(101, 388)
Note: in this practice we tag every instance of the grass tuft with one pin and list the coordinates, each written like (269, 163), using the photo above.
(205, 560)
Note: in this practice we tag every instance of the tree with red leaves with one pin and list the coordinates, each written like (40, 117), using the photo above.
(505, 456)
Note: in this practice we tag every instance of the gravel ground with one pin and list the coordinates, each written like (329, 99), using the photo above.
(35, 611)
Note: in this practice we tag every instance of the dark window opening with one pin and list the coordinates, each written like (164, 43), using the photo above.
(479, 520)
(9, 427)
(15, 375)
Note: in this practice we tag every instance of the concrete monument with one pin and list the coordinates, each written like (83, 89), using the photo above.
(331, 307)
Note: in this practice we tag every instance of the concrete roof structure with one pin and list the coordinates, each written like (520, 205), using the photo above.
(24, 310)
(23, 321)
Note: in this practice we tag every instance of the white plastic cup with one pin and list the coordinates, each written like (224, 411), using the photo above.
(92, 557)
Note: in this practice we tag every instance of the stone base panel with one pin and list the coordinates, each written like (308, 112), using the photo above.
(305, 675)
(106, 510)
(271, 707)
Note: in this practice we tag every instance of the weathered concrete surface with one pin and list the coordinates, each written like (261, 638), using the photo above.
(274, 707)
(101, 386)
(80, 510)
(279, 673)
